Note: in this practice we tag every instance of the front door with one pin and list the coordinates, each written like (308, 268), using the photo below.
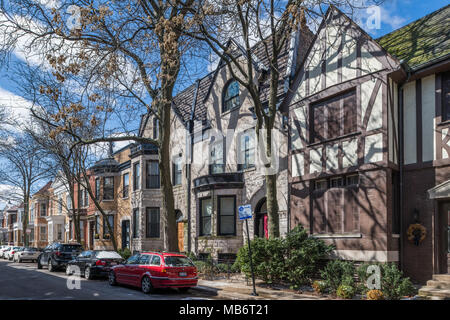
(443, 238)
(125, 234)
(91, 234)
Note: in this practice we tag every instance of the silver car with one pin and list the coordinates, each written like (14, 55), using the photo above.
(3, 249)
(10, 253)
(30, 254)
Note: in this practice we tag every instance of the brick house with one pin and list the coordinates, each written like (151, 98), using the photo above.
(214, 160)
(368, 142)
(39, 211)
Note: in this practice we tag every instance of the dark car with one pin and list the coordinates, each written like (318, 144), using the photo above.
(94, 263)
(57, 255)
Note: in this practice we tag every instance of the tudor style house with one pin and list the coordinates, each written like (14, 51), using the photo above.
(214, 155)
(368, 142)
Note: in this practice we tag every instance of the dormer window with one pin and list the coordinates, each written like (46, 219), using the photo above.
(231, 96)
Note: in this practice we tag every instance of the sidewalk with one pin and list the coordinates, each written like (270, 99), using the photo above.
(238, 290)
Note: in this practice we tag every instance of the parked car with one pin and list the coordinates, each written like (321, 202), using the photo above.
(3, 250)
(151, 270)
(94, 263)
(10, 253)
(27, 253)
(57, 255)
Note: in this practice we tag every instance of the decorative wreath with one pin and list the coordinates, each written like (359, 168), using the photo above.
(416, 233)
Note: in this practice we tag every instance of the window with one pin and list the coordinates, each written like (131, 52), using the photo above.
(352, 180)
(43, 233)
(155, 128)
(216, 162)
(152, 223)
(136, 176)
(231, 96)
(84, 198)
(97, 224)
(144, 259)
(446, 96)
(59, 231)
(135, 223)
(133, 259)
(177, 171)
(108, 188)
(205, 216)
(69, 202)
(152, 181)
(246, 151)
(336, 182)
(334, 117)
(43, 209)
(156, 261)
(228, 258)
(105, 225)
(126, 184)
(227, 218)
(60, 205)
(97, 188)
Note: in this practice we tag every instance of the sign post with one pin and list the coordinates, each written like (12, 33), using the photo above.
(245, 213)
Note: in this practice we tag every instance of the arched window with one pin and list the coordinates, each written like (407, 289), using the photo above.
(231, 96)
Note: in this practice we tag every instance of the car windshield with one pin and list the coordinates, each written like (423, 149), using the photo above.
(70, 247)
(107, 255)
(31, 249)
(174, 261)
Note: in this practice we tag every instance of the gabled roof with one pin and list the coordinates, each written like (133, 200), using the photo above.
(44, 189)
(422, 41)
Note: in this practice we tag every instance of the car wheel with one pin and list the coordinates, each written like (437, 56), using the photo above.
(51, 268)
(87, 273)
(184, 290)
(146, 285)
(112, 278)
(20, 260)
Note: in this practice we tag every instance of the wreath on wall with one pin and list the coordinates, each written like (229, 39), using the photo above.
(416, 233)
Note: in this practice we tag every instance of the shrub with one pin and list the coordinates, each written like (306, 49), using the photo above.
(375, 295)
(345, 291)
(393, 284)
(294, 259)
(338, 272)
(319, 286)
(125, 253)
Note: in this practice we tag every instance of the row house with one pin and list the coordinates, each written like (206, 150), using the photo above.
(38, 214)
(11, 225)
(369, 153)
(215, 167)
(3, 226)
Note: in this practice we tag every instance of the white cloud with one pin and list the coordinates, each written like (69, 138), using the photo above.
(17, 108)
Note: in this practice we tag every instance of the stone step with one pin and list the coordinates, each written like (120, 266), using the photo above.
(438, 284)
(442, 277)
(434, 292)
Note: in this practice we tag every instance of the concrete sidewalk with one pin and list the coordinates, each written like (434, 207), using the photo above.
(239, 290)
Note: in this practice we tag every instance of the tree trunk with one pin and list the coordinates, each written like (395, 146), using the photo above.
(273, 218)
(25, 220)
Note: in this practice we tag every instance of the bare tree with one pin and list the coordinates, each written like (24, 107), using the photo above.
(23, 167)
(122, 58)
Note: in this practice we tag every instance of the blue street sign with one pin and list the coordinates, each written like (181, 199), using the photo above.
(245, 212)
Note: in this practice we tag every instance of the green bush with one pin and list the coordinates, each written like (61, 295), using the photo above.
(125, 253)
(338, 272)
(294, 259)
(345, 291)
(392, 281)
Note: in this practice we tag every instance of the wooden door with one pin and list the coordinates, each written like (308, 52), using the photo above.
(180, 231)
(443, 237)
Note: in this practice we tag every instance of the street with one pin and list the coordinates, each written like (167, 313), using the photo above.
(25, 282)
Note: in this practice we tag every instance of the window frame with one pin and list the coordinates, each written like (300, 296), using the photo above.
(229, 100)
(148, 223)
(136, 177)
(213, 164)
(125, 187)
(201, 217)
(105, 190)
(245, 164)
(105, 227)
(97, 188)
(219, 215)
(177, 174)
(149, 177)
(135, 223)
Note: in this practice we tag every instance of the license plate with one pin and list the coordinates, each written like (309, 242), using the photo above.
(113, 263)
(182, 274)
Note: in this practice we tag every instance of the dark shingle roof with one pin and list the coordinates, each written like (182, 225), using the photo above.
(421, 41)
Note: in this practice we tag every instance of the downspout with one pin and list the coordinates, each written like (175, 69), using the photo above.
(189, 160)
(401, 159)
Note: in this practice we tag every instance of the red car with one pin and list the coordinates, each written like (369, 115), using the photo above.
(151, 270)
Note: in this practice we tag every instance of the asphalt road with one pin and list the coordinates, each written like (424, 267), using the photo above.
(25, 282)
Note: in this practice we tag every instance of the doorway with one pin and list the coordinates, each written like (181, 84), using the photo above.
(125, 234)
(443, 240)
(91, 234)
(261, 219)
(180, 230)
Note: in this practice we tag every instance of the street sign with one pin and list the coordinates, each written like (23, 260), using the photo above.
(245, 212)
